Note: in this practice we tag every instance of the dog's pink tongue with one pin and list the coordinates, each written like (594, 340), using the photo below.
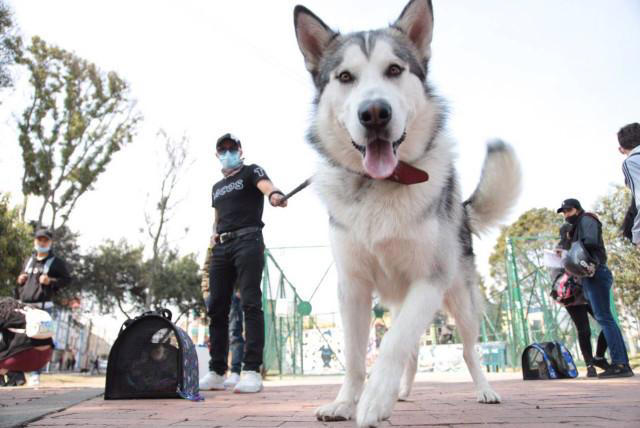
(379, 160)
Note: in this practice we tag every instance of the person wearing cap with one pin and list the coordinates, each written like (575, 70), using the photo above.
(237, 258)
(43, 273)
(629, 145)
(587, 229)
(41, 278)
(579, 309)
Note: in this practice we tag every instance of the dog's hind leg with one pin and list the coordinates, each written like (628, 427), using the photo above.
(460, 302)
(409, 374)
(355, 311)
(381, 392)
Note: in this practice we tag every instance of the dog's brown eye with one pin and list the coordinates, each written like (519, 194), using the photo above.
(394, 70)
(345, 77)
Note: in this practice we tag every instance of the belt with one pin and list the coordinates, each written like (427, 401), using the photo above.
(228, 236)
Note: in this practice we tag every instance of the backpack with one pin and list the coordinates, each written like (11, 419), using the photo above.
(565, 290)
(152, 358)
(547, 360)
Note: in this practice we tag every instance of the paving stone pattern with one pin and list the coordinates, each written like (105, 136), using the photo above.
(561, 403)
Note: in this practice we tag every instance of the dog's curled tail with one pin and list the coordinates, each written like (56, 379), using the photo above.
(498, 189)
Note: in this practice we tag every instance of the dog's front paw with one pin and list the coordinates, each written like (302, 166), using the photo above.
(375, 406)
(488, 396)
(336, 411)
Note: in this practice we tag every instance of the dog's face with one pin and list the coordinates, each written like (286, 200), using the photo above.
(371, 89)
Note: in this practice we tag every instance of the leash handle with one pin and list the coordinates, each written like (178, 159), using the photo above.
(301, 186)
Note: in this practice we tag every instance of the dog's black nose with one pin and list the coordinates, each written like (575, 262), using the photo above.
(374, 114)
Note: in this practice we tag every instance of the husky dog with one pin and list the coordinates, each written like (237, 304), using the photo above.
(378, 128)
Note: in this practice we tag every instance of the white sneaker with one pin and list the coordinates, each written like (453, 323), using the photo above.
(249, 382)
(212, 381)
(34, 379)
(232, 380)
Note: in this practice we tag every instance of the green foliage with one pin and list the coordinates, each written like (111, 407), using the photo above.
(15, 246)
(177, 284)
(114, 275)
(623, 257)
(65, 246)
(77, 118)
(117, 276)
(537, 222)
(7, 39)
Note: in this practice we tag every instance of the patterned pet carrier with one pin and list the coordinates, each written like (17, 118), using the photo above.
(152, 358)
(547, 360)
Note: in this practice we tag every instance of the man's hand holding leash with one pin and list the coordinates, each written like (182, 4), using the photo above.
(277, 199)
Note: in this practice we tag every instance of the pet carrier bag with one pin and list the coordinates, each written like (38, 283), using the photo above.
(152, 358)
(547, 360)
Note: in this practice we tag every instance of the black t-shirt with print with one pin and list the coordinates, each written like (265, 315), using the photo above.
(238, 200)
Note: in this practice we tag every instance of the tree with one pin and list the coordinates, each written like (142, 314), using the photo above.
(114, 275)
(177, 284)
(65, 246)
(536, 222)
(622, 257)
(77, 118)
(15, 246)
(7, 39)
(175, 152)
(534, 231)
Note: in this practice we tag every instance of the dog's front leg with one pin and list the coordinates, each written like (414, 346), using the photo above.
(355, 310)
(381, 392)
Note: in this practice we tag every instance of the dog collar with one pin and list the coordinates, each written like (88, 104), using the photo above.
(407, 174)
(403, 174)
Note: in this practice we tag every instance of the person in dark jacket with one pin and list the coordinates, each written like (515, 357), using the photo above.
(587, 229)
(579, 310)
(43, 274)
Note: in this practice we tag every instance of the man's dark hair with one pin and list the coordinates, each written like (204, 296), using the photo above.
(629, 136)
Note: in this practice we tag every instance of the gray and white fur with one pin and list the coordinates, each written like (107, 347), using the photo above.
(409, 244)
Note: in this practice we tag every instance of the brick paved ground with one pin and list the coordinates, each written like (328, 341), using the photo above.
(580, 402)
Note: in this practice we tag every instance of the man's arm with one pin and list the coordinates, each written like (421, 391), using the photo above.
(267, 188)
(214, 234)
(590, 231)
(59, 276)
(631, 170)
(204, 284)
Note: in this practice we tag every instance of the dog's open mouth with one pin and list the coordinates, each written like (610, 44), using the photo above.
(379, 156)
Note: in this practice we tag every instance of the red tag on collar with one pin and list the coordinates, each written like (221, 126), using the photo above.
(407, 174)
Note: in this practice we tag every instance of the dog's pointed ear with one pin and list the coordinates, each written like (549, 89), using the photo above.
(416, 22)
(313, 36)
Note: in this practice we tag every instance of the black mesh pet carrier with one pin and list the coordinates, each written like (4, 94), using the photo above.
(152, 358)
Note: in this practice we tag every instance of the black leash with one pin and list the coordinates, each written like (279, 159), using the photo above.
(304, 184)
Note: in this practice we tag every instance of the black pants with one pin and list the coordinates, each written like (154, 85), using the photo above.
(579, 316)
(236, 262)
(236, 335)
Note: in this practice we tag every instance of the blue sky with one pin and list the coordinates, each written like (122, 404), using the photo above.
(556, 79)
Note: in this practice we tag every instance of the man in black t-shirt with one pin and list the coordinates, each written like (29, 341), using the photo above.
(237, 258)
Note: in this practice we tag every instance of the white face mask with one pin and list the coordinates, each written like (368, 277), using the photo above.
(40, 249)
(230, 158)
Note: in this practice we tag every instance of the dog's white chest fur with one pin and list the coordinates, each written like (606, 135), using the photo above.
(389, 229)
